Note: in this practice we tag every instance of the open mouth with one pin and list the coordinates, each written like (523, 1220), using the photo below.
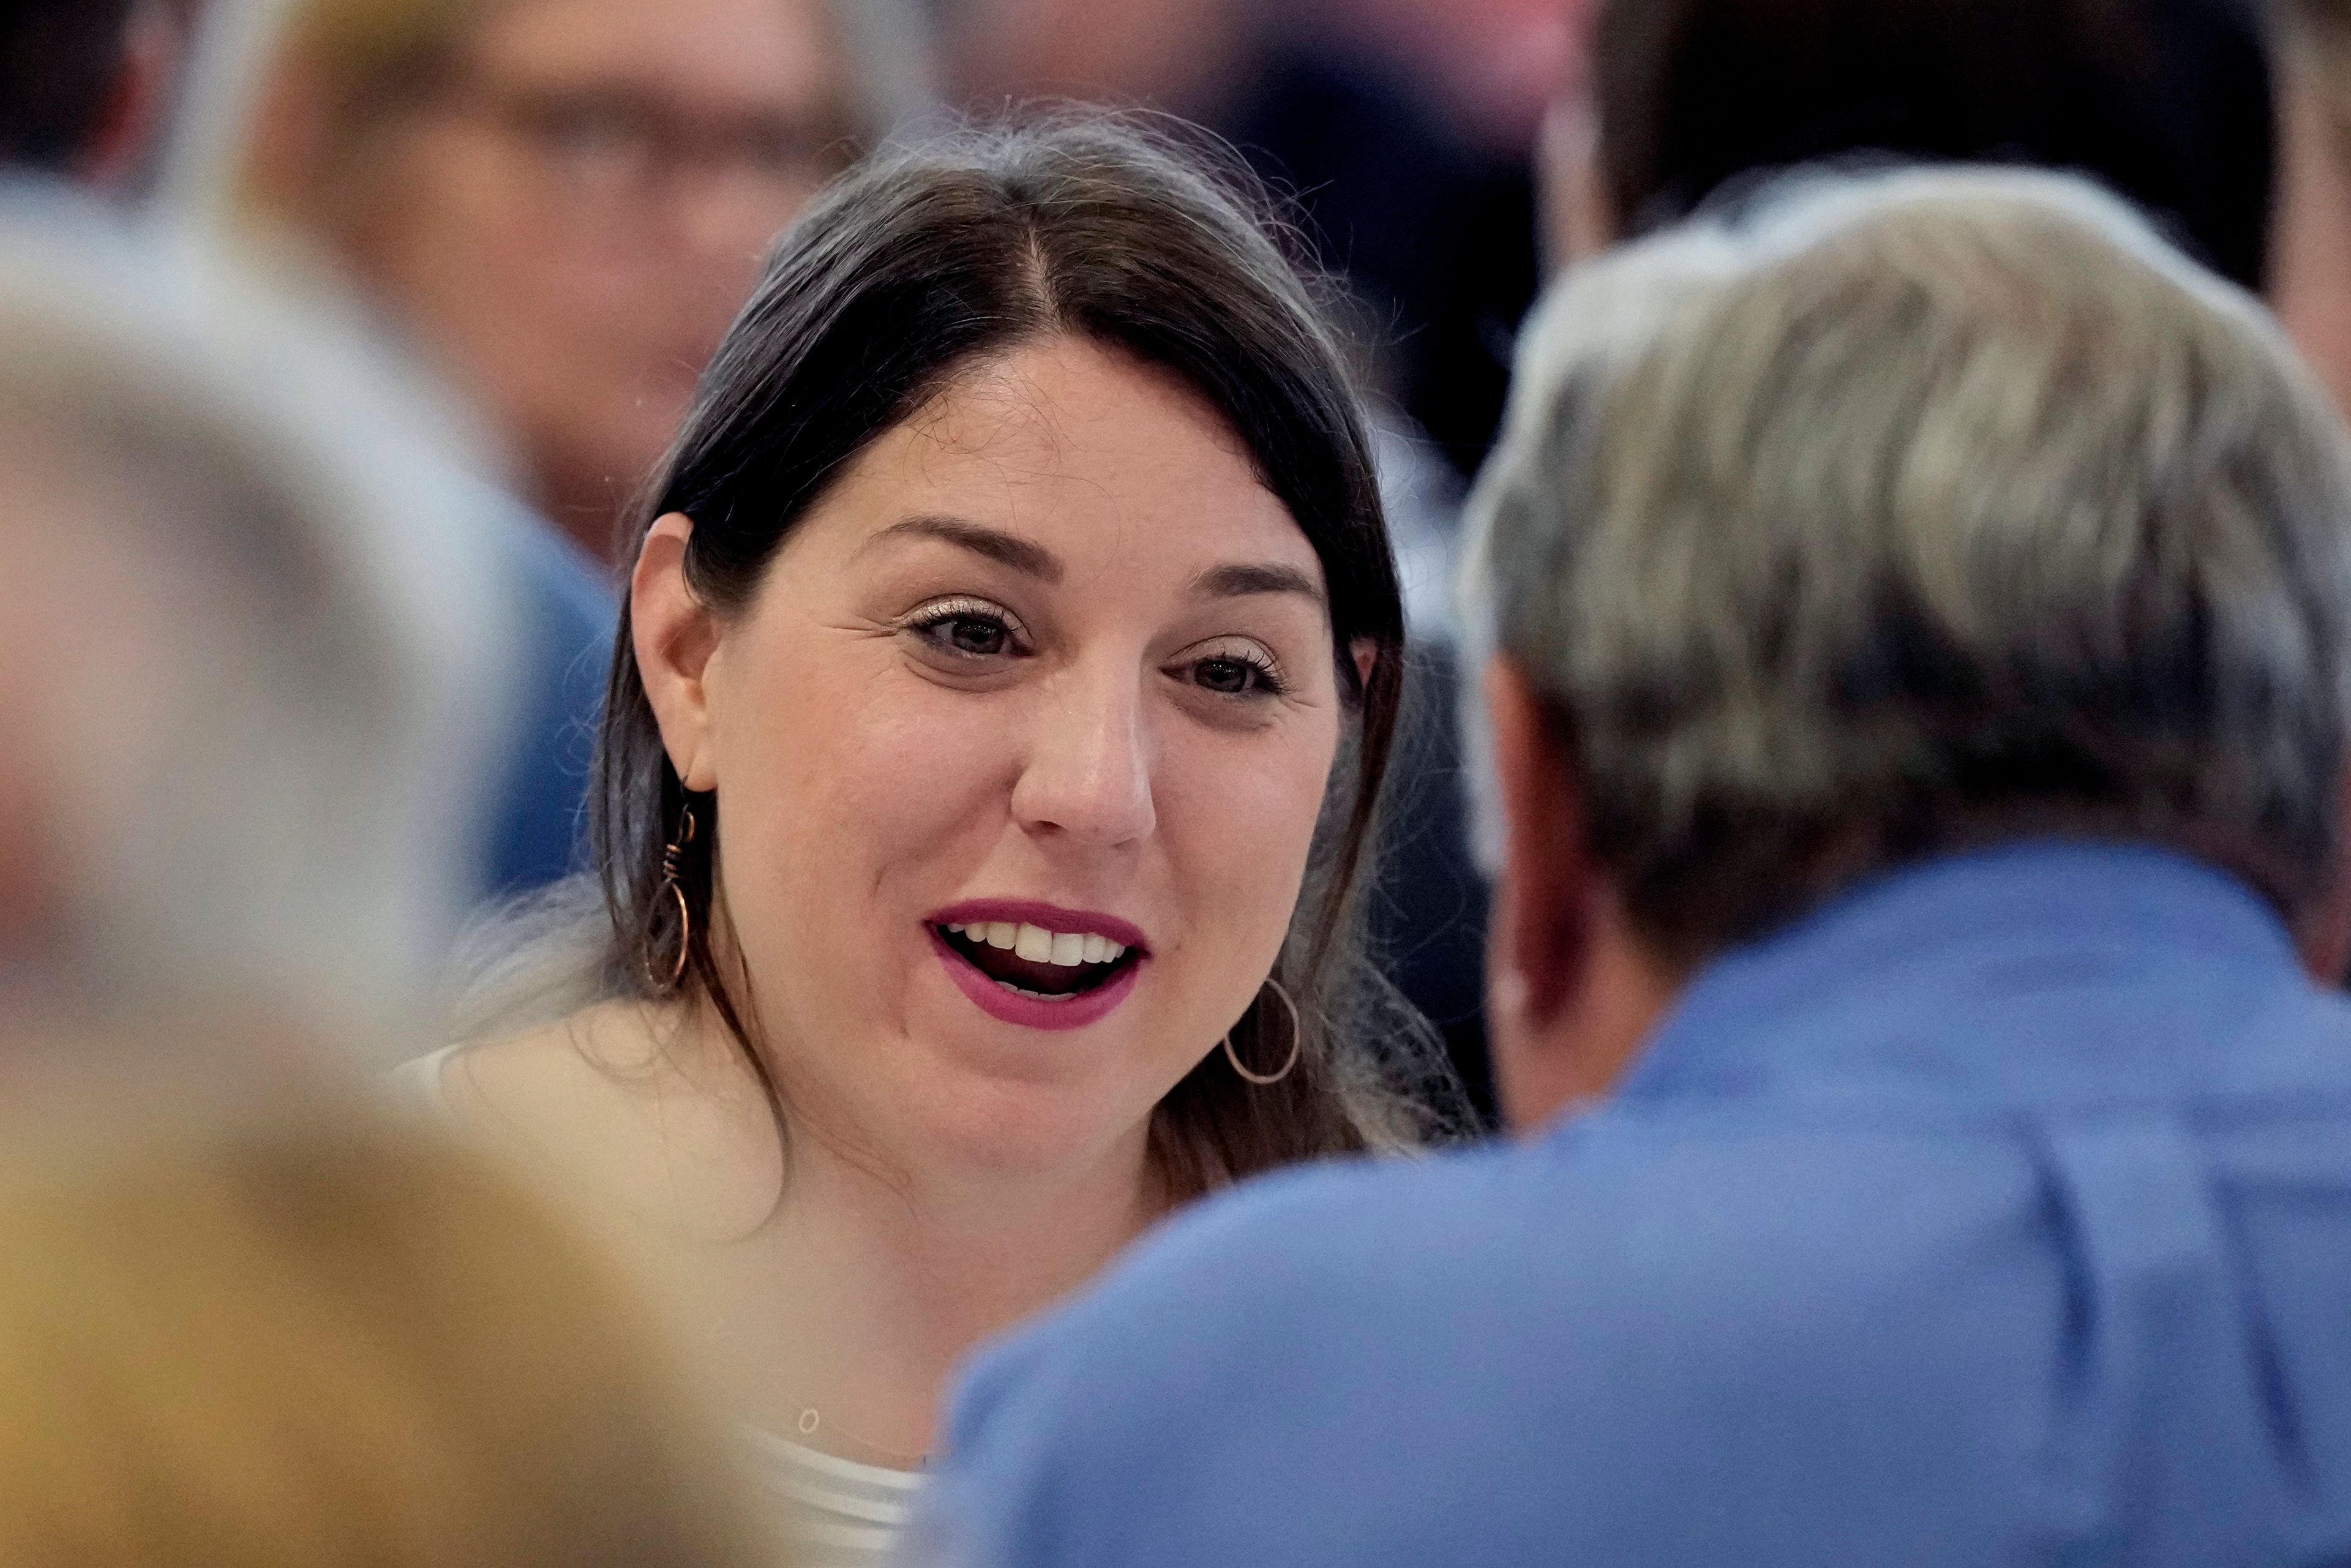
(1041, 964)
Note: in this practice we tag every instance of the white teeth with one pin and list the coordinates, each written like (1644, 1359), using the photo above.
(1068, 949)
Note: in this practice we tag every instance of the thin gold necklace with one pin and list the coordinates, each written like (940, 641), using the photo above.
(810, 1425)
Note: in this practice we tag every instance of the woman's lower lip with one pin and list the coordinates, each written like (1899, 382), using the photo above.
(1031, 1012)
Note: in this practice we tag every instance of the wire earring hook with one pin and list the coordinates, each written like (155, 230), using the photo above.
(673, 884)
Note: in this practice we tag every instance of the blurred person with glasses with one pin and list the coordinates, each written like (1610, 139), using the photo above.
(544, 212)
(564, 201)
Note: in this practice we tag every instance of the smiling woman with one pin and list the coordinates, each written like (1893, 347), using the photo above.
(1010, 666)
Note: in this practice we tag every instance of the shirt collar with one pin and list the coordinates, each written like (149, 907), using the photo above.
(1938, 964)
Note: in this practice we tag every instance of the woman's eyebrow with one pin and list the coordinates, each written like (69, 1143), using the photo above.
(1237, 581)
(1023, 556)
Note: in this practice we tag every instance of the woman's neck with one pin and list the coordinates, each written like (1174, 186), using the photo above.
(855, 1302)
(822, 1282)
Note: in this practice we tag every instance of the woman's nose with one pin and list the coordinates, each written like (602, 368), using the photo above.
(1089, 769)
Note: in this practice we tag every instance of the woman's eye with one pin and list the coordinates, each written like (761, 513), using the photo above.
(1228, 676)
(1236, 675)
(971, 630)
(977, 635)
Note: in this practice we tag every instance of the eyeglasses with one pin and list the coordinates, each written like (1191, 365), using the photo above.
(616, 147)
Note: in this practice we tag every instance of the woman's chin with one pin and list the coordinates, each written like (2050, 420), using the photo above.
(992, 1108)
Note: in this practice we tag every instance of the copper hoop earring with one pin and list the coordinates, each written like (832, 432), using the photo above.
(1297, 1039)
(671, 885)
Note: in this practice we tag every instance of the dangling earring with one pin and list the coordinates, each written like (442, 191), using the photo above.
(1297, 1039)
(672, 885)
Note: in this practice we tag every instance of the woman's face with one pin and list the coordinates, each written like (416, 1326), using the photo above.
(1049, 666)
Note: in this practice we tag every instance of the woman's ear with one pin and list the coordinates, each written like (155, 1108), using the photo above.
(674, 635)
(1366, 653)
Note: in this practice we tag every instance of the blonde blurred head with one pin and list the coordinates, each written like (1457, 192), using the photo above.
(312, 1340)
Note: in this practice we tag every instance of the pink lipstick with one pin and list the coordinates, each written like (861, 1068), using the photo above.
(1026, 990)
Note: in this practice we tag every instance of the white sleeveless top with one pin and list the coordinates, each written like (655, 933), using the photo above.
(836, 1514)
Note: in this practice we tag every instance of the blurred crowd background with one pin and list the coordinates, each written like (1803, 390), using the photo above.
(336, 337)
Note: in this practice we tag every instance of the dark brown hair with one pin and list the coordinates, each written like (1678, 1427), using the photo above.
(910, 270)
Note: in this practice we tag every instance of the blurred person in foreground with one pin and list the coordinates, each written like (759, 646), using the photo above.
(548, 210)
(1012, 662)
(288, 1333)
(245, 1318)
(2167, 102)
(244, 652)
(1919, 712)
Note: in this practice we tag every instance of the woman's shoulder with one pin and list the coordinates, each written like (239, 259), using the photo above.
(418, 1083)
(590, 1064)
(610, 1096)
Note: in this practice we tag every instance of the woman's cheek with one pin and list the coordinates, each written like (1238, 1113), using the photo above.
(1245, 820)
(896, 796)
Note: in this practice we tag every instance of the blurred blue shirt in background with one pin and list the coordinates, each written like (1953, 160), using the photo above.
(570, 612)
(2000, 1212)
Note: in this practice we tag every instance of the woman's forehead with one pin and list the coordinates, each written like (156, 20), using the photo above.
(1082, 450)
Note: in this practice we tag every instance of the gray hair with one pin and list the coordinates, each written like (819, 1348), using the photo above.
(1912, 512)
(286, 817)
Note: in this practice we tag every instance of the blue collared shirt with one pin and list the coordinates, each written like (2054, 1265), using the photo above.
(2000, 1212)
